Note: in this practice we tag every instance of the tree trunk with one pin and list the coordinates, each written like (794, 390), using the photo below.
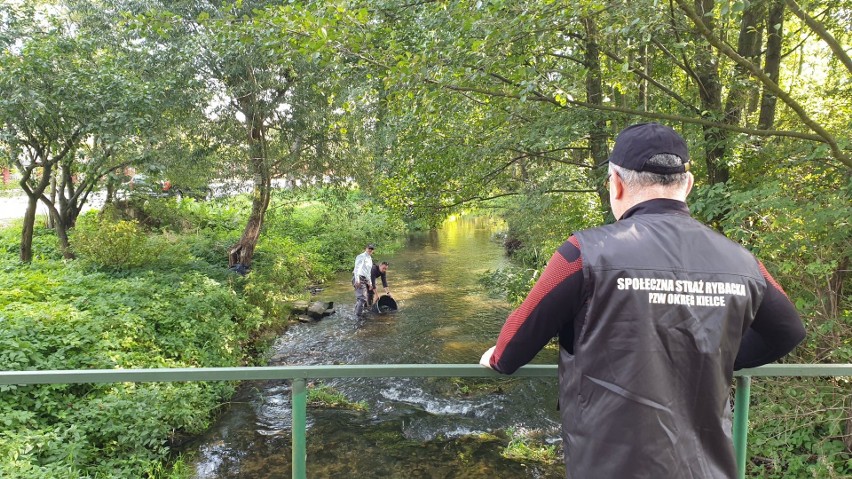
(835, 286)
(72, 195)
(643, 83)
(28, 229)
(772, 66)
(50, 219)
(33, 194)
(847, 439)
(60, 226)
(710, 93)
(594, 95)
(111, 186)
(754, 91)
(748, 46)
(243, 252)
(698, 19)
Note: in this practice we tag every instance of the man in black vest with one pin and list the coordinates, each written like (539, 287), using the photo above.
(653, 313)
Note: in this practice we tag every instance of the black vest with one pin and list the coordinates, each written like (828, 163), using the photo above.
(646, 392)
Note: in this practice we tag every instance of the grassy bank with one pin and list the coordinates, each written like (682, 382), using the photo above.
(151, 288)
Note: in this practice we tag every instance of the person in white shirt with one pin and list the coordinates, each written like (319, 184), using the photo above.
(361, 278)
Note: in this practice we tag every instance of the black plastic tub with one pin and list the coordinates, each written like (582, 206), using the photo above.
(385, 304)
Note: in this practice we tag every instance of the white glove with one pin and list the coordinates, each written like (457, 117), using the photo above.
(485, 360)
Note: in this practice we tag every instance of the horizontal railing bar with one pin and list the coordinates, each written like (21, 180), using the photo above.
(799, 370)
(263, 372)
(80, 376)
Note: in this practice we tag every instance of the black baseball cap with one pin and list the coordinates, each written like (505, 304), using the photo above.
(371, 246)
(637, 143)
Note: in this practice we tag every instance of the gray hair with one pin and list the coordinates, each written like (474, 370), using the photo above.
(644, 179)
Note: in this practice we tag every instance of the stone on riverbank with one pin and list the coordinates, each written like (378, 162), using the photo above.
(315, 310)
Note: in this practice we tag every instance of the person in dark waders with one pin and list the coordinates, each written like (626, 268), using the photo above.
(653, 314)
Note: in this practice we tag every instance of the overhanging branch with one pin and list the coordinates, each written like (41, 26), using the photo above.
(823, 34)
(503, 195)
(643, 114)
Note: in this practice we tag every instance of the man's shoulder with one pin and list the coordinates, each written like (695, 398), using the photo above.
(570, 249)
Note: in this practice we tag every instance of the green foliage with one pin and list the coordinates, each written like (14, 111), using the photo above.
(800, 228)
(44, 243)
(188, 215)
(59, 316)
(9, 189)
(109, 244)
(797, 221)
(537, 226)
(323, 395)
(179, 312)
(431, 106)
(151, 290)
(335, 224)
(797, 428)
(208, 229)
(522, 447)
(511, 282)
(281, 271)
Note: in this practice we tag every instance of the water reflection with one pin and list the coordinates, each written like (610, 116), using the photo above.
(414, 427)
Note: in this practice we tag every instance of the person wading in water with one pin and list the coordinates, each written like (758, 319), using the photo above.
(361, 278)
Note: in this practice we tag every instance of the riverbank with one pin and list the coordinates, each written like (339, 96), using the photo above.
(158, 295)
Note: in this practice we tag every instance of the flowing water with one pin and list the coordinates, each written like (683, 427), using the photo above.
(412, 428)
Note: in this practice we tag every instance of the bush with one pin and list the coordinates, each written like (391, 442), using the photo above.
(798, 428)
(536, 226)
(59, 316)
(108, 243)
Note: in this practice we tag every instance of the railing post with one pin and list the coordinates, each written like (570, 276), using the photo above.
(741, 404)
(299, 401)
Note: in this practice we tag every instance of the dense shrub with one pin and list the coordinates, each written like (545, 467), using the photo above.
(108, 243)
(45, 243)
(535, 227)
(511, 282)
(58, 316)
(151, 289)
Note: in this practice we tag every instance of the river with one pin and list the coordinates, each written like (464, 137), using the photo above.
(412, 428)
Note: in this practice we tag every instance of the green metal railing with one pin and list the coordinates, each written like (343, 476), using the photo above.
(299, 374)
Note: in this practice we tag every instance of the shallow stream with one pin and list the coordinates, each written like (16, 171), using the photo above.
(412, 428)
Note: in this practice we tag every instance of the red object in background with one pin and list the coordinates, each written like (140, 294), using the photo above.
(167, 185)
(7, 176)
